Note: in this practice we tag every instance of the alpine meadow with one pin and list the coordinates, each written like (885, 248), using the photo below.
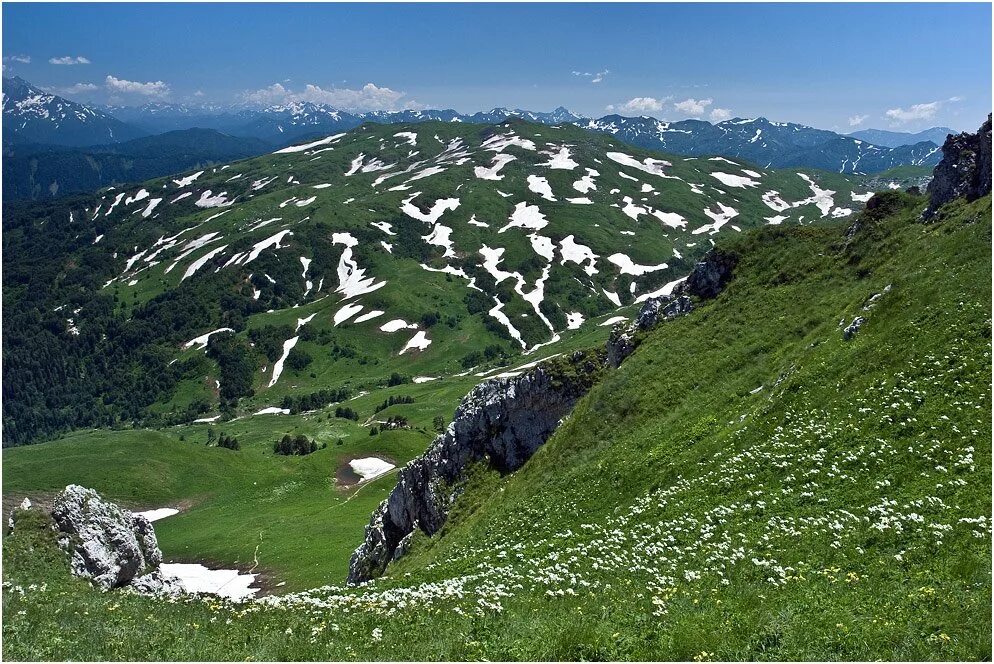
(300, 363)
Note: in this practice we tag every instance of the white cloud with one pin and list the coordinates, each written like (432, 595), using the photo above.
(720, 114)
(916, 112)
(638, 105)
(78, 88)
(69, 60)
(369, 97)
(23, 59)
(693, 106)
(150, 89)
(857, 120)
(274, 94)
(924, 111)
(595, 77)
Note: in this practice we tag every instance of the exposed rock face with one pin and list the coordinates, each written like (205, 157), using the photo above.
(853, 328)
(965, 169)
(503, 421)
(709, 277)
(108, 545)
(662, 308)
(620, 344)
(623, 339)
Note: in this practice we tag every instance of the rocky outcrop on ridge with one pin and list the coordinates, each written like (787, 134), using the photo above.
(710, 275)
(623, 339)
(965, 169)
(708, 278)
(505, 420)
(109, 545)
(502, 422)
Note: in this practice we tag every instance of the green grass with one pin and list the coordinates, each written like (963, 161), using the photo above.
(284, 515)
(681, 512)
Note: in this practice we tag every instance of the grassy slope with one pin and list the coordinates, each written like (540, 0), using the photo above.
(674, 463)
(305, 527)
(411, 291)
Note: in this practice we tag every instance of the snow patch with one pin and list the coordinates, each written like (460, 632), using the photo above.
(308, 146)
(278, 367)
(419, 341)
(370, 467)
(196, 578)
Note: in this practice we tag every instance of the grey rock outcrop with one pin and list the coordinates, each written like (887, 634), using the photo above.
(853, 328)
(965, 169)
(24, 506)
(620, 344)
(624, 337)
(662, 308)
(107, 544)
(709, 277)
(502, 421)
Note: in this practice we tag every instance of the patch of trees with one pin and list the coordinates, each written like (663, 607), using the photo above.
(393, 401)
(269, 340)
(222, 440)
(298, 359)
(477, 302)
(299, 445)
(396, 422)
(409, 241)
(430, 318)
(397, 379)
(346, 413)
(299, 403)
(488, 354)
(236, 364)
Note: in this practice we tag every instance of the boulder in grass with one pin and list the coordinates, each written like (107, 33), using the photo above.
(111, 546)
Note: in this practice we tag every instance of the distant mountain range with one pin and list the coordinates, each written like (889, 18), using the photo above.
(895, 139)
(768, 144)
(32, 116)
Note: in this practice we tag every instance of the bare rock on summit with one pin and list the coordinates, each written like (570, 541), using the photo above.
(965, 169)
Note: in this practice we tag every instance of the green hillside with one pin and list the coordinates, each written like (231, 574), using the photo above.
(747, 485)
(419, 250)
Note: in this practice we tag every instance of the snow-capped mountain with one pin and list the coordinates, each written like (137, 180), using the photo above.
(34, 116)
(157, 117)
(765, 143)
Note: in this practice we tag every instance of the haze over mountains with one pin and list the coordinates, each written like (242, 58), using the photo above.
(893, 139)
(33, 117)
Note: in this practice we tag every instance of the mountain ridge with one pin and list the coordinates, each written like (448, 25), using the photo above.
(895, 139)
(40, 117)
(770, 144)
(527, 230)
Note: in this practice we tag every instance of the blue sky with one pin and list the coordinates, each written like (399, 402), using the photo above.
(836, 66)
